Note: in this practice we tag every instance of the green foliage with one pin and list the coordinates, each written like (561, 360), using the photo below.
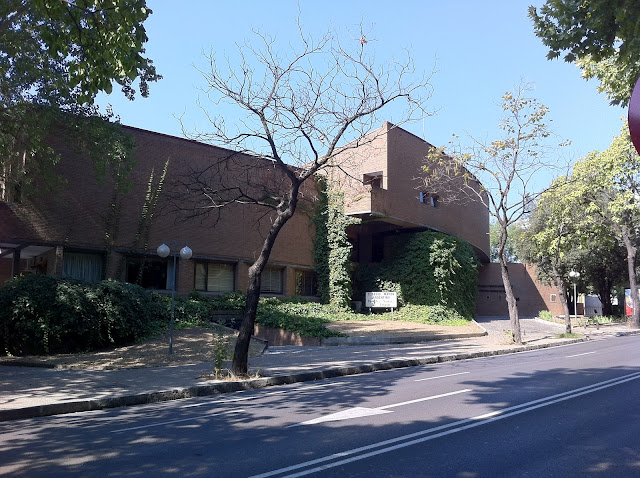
(545, 315)
(220, 351)
(331, 247)
(310, 318)
(70, 51)
(427, 268)
(514, 233)
(46, 315)
(197, 309)
(600, 36)
(303, 317)
(54, 58)
(424, 314)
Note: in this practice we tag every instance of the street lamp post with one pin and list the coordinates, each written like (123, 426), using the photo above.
(185, 253)
(575, 275)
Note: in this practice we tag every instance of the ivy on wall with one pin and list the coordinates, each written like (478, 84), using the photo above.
(425, 268)
(331, 247)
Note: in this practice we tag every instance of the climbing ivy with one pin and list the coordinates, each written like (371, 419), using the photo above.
(425, 268)
(332, 249)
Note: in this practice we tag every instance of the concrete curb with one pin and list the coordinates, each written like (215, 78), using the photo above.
(225, 387)
(346, 341)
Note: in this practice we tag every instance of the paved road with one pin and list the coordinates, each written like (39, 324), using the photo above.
(565, 411)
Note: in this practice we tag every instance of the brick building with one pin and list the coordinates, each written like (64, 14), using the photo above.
(91, 230)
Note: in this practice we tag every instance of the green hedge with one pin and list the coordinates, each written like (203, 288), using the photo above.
(425, 268)
(47, 315)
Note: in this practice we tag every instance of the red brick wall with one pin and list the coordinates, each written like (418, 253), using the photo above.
(76, 216)
(400, 156)
(532, 296)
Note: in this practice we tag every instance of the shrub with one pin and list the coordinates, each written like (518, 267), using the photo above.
(426, 268)
(47, 315)
(545, 315)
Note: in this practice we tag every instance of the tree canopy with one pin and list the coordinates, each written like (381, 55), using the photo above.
(609, 182)
(501, 174)
(600, 36)
(55, 57)
(304, 108)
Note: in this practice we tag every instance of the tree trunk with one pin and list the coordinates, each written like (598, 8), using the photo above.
(562, 292)
(240, 363)
(511, 302)
(631, 265)
(604, 294)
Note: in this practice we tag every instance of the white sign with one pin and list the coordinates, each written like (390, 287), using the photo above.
(381, 299)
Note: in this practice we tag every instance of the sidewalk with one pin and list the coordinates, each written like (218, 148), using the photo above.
(36, 391)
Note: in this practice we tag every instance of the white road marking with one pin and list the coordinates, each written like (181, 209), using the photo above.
(348, 414)
(440, 376)
(199, 417)
(443, 430)
(578, 355)
(357, 412)
(433, 397)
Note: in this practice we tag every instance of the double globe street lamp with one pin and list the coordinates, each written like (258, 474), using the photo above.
(185, 253)
(575, 275)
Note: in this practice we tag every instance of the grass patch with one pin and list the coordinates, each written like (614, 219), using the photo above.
(568, 336)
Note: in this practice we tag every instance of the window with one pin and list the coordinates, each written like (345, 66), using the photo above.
(430, 199)
(271, 280)
(306, 283)
(150, 273)
(552, 298)
(214, 276)
(372, 179)
(79, 266)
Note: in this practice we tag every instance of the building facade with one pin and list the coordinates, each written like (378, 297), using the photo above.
(93, 229)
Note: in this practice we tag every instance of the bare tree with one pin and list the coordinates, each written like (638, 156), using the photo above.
(301, 110)
(501, 174)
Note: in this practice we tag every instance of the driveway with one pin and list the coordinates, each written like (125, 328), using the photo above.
(531, 329)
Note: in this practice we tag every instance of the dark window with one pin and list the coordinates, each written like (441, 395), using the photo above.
(81, 266)
(306, 283)
(430, 199)
(372, 179)
(149, 273)
(377, 248)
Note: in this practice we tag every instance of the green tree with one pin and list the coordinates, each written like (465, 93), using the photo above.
(500, 174)
(511, 248)
(610, 185)
(55, 56)
(600, 36)
(548, 241)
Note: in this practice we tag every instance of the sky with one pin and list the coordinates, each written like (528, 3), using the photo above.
(476, 49)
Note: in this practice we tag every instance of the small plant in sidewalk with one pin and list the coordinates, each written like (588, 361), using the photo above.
(220, 350)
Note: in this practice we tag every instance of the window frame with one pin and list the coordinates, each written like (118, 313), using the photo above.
(300, 286)
(206, 265)
(272, 270)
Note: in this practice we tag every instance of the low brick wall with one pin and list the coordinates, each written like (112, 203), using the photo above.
(277, 337)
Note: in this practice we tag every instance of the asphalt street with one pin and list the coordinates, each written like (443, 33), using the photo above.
(563, 411)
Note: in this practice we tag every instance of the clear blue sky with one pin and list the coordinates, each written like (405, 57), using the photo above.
(479, 49)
